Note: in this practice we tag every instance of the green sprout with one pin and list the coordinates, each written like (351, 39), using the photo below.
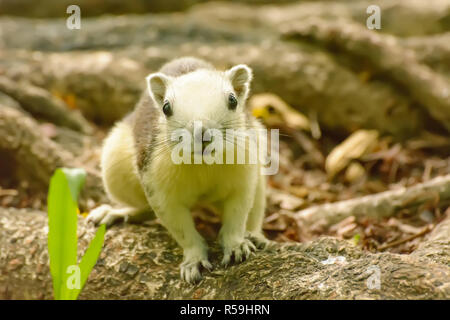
(356, 239)
(68, 277)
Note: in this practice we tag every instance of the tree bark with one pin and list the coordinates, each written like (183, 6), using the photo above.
(142, 262)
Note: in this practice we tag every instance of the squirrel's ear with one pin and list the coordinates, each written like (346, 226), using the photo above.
(157, 84)
(240, 77)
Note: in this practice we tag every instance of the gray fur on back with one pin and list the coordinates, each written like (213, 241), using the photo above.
(180, 66)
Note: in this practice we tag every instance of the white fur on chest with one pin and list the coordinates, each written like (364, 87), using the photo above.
(193, 183)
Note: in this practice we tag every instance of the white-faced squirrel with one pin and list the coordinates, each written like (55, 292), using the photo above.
(140, 175)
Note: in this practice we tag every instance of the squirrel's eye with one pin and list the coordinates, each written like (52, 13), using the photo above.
(167, 109)
(232, 102)
(271, 110)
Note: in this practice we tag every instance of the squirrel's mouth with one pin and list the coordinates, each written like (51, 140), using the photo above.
(202, 149)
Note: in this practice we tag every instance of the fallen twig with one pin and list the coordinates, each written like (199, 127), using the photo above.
(379, 205)
(424, 231)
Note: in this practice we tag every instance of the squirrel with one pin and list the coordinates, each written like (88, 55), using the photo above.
(139, 175)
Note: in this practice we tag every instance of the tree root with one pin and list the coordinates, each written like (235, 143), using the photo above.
(36, 157)
(105, 86)
(386, 55)
(142, 262)
(41, 103)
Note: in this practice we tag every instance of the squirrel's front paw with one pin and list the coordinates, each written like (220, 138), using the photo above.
(239, 248)
(105, 214)
(190, 267)
(101, 214)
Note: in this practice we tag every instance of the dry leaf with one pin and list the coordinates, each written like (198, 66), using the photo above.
(355, 146)
(285, 200)
(275, 112)
(354, 172)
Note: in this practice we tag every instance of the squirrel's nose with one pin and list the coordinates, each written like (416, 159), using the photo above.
(199, 137)
(198, 134)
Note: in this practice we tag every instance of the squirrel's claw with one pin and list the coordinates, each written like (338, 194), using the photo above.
(241, 251)
(258, 239)
(190, 271)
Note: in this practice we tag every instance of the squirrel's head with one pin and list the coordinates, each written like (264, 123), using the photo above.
(215, 98)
